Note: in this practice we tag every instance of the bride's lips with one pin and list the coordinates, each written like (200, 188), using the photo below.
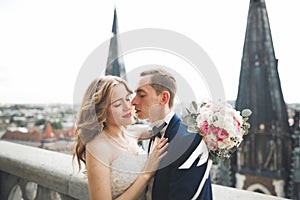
(128, 115)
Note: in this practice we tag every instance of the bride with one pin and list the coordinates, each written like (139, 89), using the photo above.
(115, 165)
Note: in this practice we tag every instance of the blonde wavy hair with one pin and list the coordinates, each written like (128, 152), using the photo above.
(92, 113)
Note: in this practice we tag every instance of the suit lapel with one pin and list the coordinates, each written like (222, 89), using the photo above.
(160, 185)
(173, 125)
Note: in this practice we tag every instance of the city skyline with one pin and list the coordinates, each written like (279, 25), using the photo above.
(44, 44)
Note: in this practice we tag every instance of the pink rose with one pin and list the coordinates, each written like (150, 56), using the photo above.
(239, 130)
(208, 105)
(211, 144)
(214, 130)
(222, 134)
(204, 128)
(237, 121)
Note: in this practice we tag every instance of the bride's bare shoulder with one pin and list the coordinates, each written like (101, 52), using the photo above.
(100, 147)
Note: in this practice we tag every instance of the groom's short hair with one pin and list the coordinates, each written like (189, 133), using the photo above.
(161, 80)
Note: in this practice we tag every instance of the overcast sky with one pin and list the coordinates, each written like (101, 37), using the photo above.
(43, 44)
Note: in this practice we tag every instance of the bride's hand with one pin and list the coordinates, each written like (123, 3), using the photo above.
(158, 153)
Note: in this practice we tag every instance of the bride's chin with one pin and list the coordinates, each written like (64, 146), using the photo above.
(128, 122)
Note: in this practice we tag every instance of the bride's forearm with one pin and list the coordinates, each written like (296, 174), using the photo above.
(138, 131)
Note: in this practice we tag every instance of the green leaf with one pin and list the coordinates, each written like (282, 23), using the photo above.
(246, 112)
(186, 119)
(195, 105)
(188, 110)
(203, 104)
(247, 125)
(190, 120)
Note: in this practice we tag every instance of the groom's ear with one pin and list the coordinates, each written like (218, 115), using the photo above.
(165, 97)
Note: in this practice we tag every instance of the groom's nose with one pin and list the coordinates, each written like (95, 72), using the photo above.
(134, 101)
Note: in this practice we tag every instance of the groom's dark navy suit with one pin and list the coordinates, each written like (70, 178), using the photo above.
(173, 182)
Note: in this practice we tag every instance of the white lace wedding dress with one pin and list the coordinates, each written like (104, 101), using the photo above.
(124, 170)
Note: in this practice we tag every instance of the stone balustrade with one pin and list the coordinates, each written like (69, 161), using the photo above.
(36, 174)
(26, 170)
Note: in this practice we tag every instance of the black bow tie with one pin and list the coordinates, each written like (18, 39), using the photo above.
(155, 132)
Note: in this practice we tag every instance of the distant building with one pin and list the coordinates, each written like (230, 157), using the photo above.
(115, 64)
(17, 135)
(58, 140)
(263, 162)
(294, 182)
(49, 133)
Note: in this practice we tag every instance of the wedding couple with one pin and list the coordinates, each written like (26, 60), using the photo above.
(175, 166)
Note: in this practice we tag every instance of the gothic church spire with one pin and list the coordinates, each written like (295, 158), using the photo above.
(264, 157)
(115, 64)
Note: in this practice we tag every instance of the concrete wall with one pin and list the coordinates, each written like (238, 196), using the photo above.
(24, 169)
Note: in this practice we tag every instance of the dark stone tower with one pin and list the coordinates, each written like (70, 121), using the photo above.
(263, 161)
(294, 187)
(115, 65)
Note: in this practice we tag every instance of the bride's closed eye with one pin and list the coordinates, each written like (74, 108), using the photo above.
(117, 105)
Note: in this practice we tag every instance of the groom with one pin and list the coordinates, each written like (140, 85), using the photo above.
(183, 174)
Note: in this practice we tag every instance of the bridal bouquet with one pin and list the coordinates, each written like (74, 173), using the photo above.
(221, 126)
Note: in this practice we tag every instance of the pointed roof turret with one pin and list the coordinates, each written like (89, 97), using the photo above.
(115, 64)
(264, 156)
(259, 84)
(115, 23)
(49, 131)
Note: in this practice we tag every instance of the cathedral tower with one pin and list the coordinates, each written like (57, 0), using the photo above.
(263, 161)
(115, 65)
